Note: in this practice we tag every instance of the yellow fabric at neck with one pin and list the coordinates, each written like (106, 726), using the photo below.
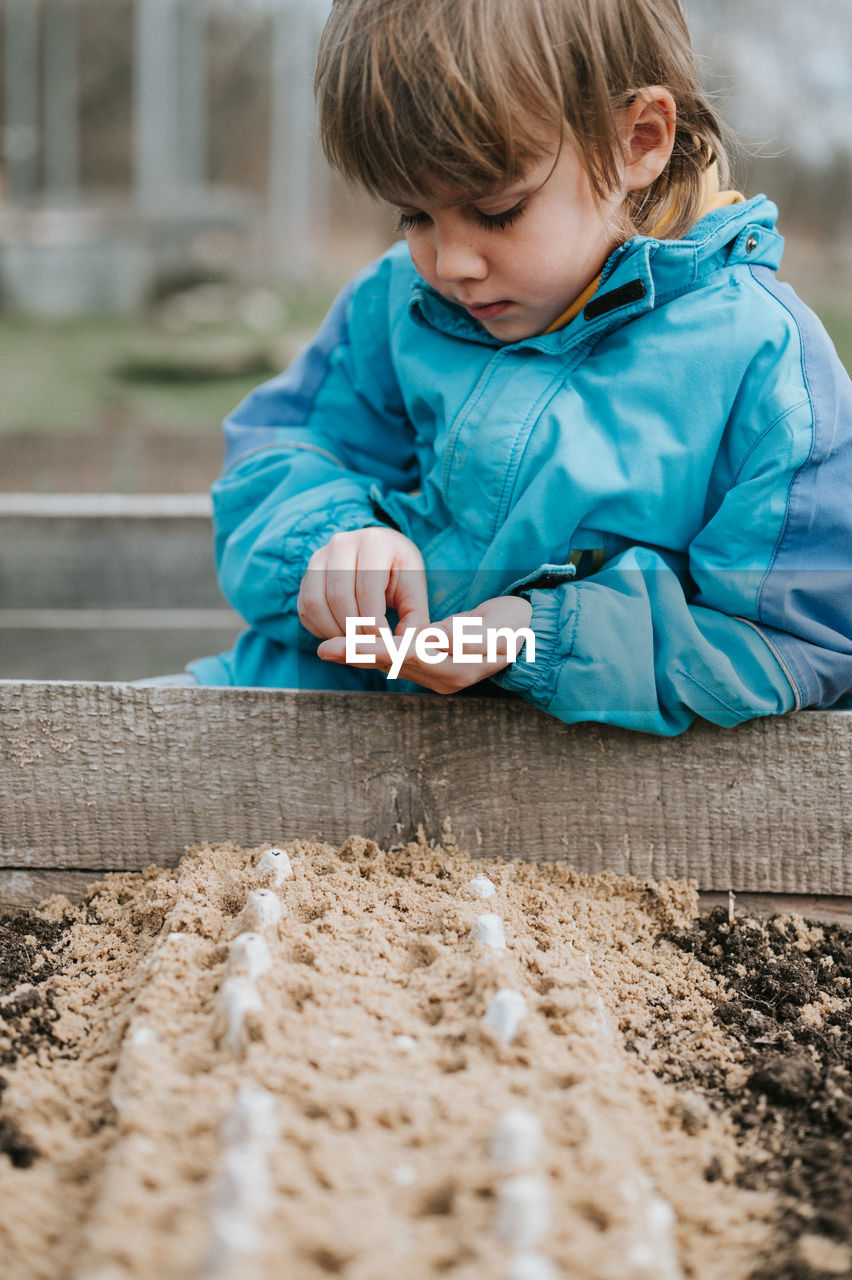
(713, 199)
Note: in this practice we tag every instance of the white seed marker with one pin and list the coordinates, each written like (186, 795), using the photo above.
(505, 1014)
(243, 1194)
(275, 867)
(140, 1037)
(238, 998)
(655, 1255)
(523, 1211)
(135, 1049)
(517, 1138)
(531, 1266)
(263, 910)
(249, 956)
(488, 930)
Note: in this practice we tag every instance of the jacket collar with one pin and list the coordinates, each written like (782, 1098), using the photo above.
(637, 276)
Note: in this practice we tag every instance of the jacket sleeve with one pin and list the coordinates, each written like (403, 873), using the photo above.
(755, 618)
(303, 453)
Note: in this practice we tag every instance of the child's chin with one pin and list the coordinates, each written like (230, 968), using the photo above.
(512, 328)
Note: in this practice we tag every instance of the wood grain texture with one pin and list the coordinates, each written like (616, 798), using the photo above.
(96, 776)
(23, 890)
(74, 551)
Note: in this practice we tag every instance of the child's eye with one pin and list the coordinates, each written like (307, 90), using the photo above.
(499, 221)
(489, 221)
(408, 221)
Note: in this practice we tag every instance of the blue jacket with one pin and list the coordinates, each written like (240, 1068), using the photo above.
(668, 478)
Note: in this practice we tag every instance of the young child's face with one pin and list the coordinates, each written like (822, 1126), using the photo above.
(518, 257)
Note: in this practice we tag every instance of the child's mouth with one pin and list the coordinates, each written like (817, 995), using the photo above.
(488, 310)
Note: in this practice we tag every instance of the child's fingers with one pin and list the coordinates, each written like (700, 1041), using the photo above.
(371, 580)
(340, 581)
(407, 592)
(334, 650)
(311, 605)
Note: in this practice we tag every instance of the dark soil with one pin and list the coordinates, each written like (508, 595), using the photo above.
(30, 954)
(797, 1101)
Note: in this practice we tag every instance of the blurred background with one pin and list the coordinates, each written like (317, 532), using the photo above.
(169, 232)
(170, 236)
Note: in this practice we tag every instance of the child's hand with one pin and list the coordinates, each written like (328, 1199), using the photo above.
(445, 676)
(362, 574)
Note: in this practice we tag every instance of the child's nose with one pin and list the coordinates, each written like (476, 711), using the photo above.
(458, 258)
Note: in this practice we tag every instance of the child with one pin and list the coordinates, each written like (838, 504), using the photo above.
(575, 401)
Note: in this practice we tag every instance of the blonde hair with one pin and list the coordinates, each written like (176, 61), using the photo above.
(462, 93)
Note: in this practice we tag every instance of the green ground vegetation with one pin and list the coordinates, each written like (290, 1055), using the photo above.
(153, 372)
(90, 376)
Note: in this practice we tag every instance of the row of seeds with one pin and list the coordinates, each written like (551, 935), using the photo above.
(223, 1013)
(523, 1212)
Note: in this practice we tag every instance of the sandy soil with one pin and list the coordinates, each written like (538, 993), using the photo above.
(335, 1097)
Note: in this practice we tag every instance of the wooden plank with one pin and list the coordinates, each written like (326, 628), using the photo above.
(97, 776)
(23, 890)
(107, 551)
(149, 646)
(98, 506)
(827, 910)
(116, 619)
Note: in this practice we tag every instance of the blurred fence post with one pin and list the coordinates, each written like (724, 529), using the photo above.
(155, 105)
(61, 91)
(292, 138)
(20, 134)
(192, 92)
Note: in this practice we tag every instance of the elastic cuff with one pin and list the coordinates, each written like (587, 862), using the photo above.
(536, 680)
(303, 540)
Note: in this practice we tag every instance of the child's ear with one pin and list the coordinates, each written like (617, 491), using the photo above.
(648, 132)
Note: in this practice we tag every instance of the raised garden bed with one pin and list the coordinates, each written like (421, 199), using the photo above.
(350, 1075)
(349, 1062)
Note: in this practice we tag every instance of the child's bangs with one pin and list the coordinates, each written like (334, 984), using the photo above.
(400, 114)
(419, 151)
